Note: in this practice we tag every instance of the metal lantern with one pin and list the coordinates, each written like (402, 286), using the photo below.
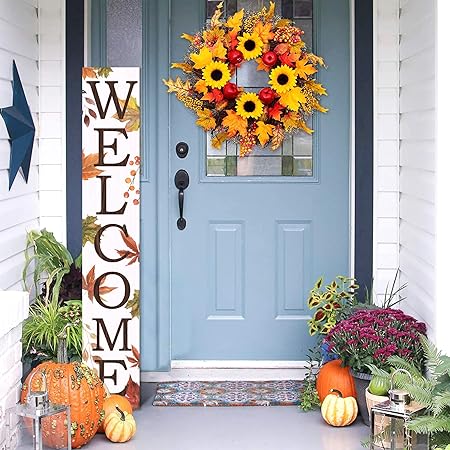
(38, 424)
(389, 422)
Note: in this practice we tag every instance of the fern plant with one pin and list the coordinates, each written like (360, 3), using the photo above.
(432, 391)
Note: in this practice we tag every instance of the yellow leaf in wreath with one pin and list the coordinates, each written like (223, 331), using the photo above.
(235, 123)
(201, 59)
(292, 99)
(235, 21)
(316, 59)
(177, 85)
(319, 107)
(271, 11)
(201, 87)
(277, 137)
(264, 31)
(215, 19)
(185, 67)
(188, 37)
(318, 88)
(290, 121)
(304, 69)
(206, 119)
(218, 140)
(264, 131)
(283, 23)
(219, 51)
(302, 124)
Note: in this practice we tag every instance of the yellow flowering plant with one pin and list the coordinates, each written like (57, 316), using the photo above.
(227, 110)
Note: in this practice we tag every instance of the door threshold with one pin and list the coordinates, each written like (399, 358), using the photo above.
(229, 371)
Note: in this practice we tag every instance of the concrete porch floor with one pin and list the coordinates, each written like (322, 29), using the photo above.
(247, 428)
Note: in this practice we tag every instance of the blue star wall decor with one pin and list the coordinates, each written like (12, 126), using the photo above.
(21, 130)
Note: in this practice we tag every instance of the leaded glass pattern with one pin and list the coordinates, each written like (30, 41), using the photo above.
(295, 157)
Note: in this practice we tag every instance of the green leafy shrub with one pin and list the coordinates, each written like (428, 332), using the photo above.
(331, 303)
(432, 391)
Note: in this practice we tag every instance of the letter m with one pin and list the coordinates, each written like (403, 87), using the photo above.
(123, 325)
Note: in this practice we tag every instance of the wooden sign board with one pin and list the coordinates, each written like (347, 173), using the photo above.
(111, 205)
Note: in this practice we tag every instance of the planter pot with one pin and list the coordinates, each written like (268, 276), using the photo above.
(326, 354)
(362, 381)
(372, 400)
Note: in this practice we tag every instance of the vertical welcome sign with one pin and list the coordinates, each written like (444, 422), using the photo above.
(111, 162)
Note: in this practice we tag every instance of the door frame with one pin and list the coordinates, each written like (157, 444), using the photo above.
(155, 136)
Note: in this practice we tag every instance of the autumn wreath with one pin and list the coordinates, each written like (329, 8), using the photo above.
(227, 110)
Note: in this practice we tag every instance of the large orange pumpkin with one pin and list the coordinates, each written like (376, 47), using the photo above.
(73, 384)
(110, 404)
(333, 376)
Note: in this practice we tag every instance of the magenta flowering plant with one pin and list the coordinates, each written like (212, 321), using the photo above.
(372, 336)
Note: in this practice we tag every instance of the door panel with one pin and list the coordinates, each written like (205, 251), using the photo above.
(254, 245)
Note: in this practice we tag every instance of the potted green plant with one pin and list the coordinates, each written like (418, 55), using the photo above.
(371, 337)
(331, 303)
(57, 284)
(431, 390)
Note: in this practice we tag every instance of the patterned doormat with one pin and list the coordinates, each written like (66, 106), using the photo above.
(228, 393)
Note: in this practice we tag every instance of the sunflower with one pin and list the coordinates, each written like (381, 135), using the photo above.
(283, 78)
(216, 74)
(249, 105)
(250, 45)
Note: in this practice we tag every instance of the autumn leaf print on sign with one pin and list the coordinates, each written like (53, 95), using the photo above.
(133, 249)
(135, 359)
(89, 283)
(90, 228)
(133, 304)
(88, 163)
(132, 115)
(132, 393)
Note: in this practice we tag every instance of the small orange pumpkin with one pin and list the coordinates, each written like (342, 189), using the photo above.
(333, 376)
(119, 426)
(337, 410)
(110, 404)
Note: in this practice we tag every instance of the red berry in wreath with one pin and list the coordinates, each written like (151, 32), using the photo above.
(267, 95)
(230, 91)
(270, 58)
(235, 57)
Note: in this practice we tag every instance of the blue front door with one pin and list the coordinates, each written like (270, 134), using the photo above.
(260, 230)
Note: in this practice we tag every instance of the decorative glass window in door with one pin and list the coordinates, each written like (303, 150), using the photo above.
(295, 157)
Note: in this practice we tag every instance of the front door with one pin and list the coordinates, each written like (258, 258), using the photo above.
(259, 229)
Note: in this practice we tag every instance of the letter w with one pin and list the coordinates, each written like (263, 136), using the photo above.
(112, 95)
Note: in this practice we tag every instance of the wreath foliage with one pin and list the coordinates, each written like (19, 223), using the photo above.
(246, 117)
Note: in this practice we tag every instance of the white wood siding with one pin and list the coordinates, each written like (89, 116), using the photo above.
(417, 157)
(19, 208)
(52, 117)
(31, 33)
(386, 144)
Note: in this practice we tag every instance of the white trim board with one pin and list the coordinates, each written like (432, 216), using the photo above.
(223, 375)
(237, 364)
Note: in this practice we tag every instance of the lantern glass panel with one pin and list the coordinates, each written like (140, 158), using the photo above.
(389, 432)
(30, 429)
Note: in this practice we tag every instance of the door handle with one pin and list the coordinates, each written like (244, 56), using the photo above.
(181, 183)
